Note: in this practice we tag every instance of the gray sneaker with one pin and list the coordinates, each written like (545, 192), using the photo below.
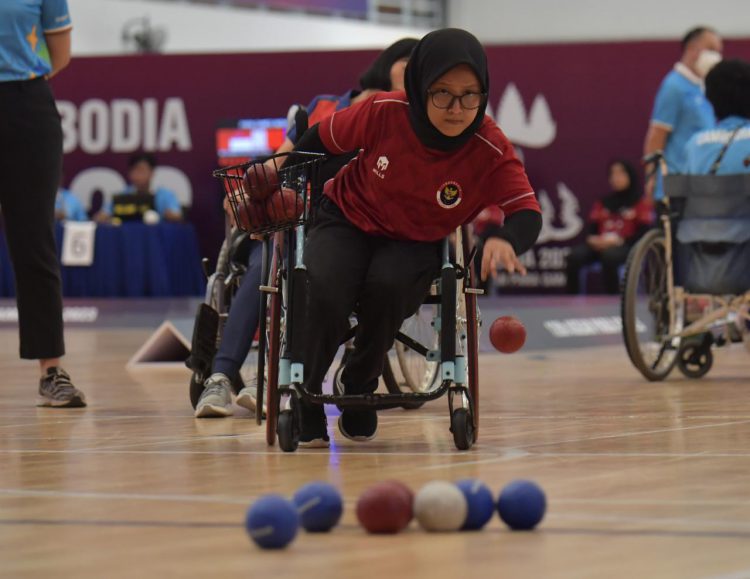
(216, 400)
(248, 397)
(56, 390)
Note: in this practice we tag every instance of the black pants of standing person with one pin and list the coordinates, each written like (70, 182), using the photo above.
(383, 280)
(611, 258)
(30, 169)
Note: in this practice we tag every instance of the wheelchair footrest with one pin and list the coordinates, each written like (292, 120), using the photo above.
(375, 400)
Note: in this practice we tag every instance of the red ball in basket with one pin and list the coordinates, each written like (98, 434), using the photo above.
(284, 205)
(260, 181)
(507, 334)
(251, 215)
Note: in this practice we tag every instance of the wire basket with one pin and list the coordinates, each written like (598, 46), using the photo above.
(272, 195)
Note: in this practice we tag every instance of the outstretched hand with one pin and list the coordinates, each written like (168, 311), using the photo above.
(499, 253)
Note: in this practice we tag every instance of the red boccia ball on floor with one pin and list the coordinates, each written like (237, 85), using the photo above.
(507, 334)
(385, 507)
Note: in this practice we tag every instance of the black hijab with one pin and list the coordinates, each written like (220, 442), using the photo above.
(378, 76)
(628, 197)
(437, 53)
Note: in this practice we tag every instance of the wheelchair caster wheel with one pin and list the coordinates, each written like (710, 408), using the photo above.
(462, 427)
(288, 431)
(695, 360)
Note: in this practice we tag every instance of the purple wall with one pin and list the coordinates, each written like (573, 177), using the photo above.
(569, 107)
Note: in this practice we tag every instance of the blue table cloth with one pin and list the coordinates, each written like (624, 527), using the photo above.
(130, 260)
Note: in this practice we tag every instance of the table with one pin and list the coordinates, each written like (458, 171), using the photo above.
(130, 260)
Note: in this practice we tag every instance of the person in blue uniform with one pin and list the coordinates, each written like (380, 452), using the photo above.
(34, 46)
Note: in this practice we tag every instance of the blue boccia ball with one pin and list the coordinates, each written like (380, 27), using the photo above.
(480, 501)
(319, 506)
(522, 505)
(272, 522)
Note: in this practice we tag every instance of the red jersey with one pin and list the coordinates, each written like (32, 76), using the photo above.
(398, 188)
(626, 222)
(323, 108)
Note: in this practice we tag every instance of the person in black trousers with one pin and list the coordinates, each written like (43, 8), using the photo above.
(429, 160)
(36, 45)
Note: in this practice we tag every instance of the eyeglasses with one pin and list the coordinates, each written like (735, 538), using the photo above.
(444, 99)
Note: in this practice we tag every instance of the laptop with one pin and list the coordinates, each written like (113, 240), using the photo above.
(131, 206)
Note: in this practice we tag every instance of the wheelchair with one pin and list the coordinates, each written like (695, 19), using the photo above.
(686, 288)
(436, 349)
(221, 286)
(403, 370)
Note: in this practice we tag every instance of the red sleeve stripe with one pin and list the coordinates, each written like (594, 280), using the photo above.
(490, 144)
(516, 198)
(333, 139)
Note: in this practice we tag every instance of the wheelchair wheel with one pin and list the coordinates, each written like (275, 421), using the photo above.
(288, 430)
(273, 336)
(223, 284)
(647, 321)
(420, 374)
(695, 359)
(394, 387)
(389, 379)
(462, 427)
(469, 321)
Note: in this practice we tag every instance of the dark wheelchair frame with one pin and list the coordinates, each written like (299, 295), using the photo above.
(415, 373)
(657, 290)
(283, 329)
(221, 285)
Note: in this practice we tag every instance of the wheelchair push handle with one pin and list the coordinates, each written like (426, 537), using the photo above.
(652, 162)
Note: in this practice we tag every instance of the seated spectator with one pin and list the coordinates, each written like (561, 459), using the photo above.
(139, 197)
(616, 222)
(68, 207)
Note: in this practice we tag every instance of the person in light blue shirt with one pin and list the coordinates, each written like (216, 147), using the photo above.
(34, 46)
(28, 38)
(728, 89)
(68, 207)
(723, 150)
(140, 174)
(681, 109)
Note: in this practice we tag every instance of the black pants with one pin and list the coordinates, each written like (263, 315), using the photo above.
(612, 258)
(383, 280)
(30, 169)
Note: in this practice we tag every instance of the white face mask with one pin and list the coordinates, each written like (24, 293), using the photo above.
(707, 59)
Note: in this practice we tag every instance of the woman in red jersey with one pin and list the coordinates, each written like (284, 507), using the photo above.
(429, 160)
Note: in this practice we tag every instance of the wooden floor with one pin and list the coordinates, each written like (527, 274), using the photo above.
(643, 480)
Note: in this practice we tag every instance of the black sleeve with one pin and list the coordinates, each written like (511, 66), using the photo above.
(521, 230)
(310, 142)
